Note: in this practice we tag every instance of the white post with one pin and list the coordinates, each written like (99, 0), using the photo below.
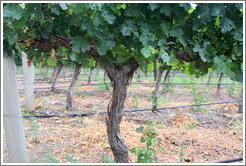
(12, 119)
(28, 72)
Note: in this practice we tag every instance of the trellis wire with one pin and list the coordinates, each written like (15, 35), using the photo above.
(87, 114)
(135, 83)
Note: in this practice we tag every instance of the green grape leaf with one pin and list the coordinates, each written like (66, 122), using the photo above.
(63, 6)
(146, 51)
(55, 11)
(227, 25)
(197, 48)
(120, 59)
(51, 62)
(216, 9)
(167, 10)
(79, 43)
(109, 17)
(153, 6)
(13, 11)
(165, 56)
(72, 56)
(101, 47)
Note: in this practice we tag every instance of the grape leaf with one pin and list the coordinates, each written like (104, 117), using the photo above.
(153, 6)
(51, 62)
(63, 6)
(13, 11)
(227, 25)
(109, 17)
(79, 43)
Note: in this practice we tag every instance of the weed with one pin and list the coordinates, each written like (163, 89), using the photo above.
(162, 99)
(35, 127)
(147, 154)
(190, 124)
(35, 160)
(181, 154)
(71, 160)
(50, 158)
(44, 75)
(238, 127)
(25, 112)
(136, 103)
(199, 97)
(152, 99)
(107, 159)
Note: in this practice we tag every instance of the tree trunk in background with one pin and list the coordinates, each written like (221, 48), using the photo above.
(164, 81)
(120, 78)
(57, 74)
(104, 78)
(155, 68)
(219, 84)
(89, 77)
(240, 110)
(64, 71)
(209, 78)
(228, 80)
(69, 104)
(28, 73)
(53, 74)
(139, 75)
(155, 92)
(12, 119)
(47, 72)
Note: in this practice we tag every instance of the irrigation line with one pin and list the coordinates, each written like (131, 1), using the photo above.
(230, 161)
(135, 83)
(88, 114)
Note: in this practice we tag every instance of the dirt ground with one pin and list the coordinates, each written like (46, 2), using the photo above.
(190, 135)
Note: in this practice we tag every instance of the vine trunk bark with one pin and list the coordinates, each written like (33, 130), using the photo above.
(209, 78)
(157, 86)
(155, 68)
(12, 119)
(89, 77)
(69, 104)
(53, 74)
(240, 110)
(104, 78)
(219, 84)
(57, 75)
(120, 78)
(164, 82)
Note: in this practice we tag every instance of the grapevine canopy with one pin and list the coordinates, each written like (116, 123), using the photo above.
(209, 35)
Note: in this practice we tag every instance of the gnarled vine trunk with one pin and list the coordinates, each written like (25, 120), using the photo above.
(69, 104)
(157, 86)
(209, 78)
(57, 74)
(119, 77)
(240, 110)
(219, 84)
(53, 74)
(89, 77)
(164, 81)
(155, 68)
